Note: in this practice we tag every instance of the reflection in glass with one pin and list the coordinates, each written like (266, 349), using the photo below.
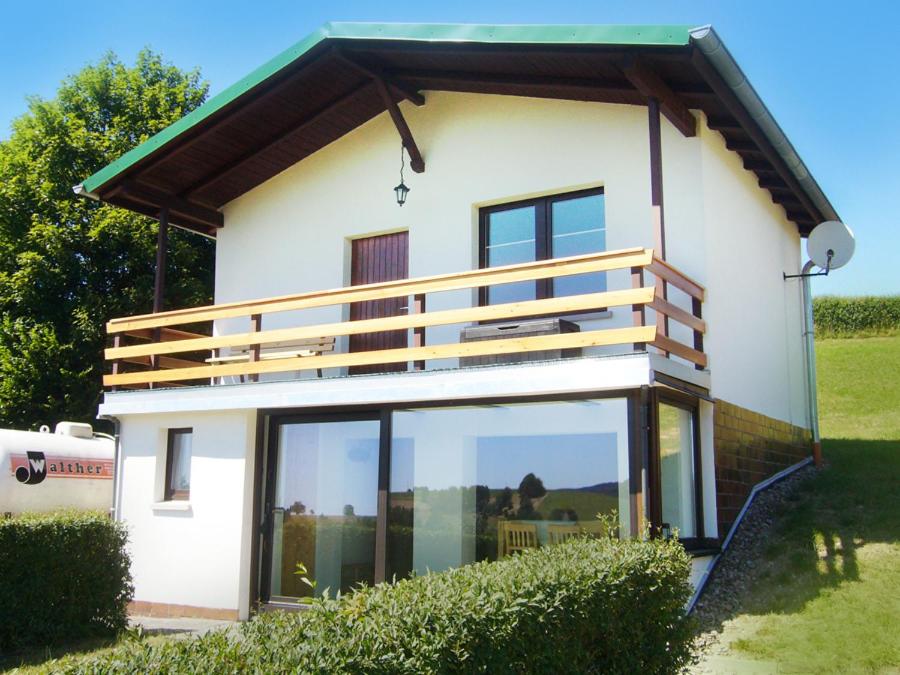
(324, 507)
(578, 228)
(510, 240)
(676, 456)
(479, 483)
(180, 472)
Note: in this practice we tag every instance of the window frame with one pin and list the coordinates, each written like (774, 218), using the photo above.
(654, 468)
(543, 234)
(169, 493)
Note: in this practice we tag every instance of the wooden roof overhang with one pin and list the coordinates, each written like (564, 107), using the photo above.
(339, 79)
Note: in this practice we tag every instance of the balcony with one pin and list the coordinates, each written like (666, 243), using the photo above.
(178, 348)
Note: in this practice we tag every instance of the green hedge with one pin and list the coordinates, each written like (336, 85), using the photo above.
(585, 606)
(63, 576)
(846, 317)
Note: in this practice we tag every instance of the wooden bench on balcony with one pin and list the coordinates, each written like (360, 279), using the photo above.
(277, 350)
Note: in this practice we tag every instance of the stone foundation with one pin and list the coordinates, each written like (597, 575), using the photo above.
(750, 447)
(166, 610)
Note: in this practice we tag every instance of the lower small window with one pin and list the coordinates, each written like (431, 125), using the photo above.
(178, 464)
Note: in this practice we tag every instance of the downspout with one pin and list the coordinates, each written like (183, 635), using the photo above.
(810, 348)
(117, 426)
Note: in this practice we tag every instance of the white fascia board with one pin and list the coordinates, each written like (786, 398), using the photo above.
(524, 379)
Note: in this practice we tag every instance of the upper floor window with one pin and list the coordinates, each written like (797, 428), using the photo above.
(178, 464)
(538, 229)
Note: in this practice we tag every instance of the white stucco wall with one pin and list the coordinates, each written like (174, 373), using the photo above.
(754, 316)
(292, 233)
(197, 552)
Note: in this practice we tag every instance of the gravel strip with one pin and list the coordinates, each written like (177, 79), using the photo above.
(739, 566)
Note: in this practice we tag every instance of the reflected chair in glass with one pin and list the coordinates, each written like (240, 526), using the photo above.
(559, 534)
(517, 536)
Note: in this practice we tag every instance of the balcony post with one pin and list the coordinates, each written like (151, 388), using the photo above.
(255, 326)
(159, 282)
(418, 307)
(162, 242)
(656, 204)
(637, 311)
(697, 310)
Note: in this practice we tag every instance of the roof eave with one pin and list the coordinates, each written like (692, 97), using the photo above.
(711, 46)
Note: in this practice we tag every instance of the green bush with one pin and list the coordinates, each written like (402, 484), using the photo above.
(585, 606)
(852, 316)
(63, 576)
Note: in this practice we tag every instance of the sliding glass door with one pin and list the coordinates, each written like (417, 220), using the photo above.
(373, 496)
(322, 500)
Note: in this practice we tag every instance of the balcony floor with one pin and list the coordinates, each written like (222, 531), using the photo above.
(585, 374)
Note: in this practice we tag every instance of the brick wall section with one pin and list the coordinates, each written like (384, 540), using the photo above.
(750, 447)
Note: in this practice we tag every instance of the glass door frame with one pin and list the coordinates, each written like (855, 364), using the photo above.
(691, 404)
(274, 424)
(270, 419)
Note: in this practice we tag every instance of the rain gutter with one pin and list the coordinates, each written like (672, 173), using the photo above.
(707, 41)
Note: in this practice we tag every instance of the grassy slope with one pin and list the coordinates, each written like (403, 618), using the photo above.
(827, 598)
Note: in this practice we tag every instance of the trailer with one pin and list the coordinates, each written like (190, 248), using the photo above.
(42, 471)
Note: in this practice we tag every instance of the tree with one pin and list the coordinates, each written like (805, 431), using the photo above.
(68, 264)
(532, 486)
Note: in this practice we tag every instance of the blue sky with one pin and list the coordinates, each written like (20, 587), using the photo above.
(828, 71)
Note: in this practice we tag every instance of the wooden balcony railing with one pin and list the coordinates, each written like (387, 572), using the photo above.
(150, 361)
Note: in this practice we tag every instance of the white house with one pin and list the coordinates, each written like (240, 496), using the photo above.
(579, 309)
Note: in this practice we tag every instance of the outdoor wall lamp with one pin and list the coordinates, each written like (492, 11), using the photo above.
(401, 190)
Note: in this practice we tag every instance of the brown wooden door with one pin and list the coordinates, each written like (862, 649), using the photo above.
(375, 259)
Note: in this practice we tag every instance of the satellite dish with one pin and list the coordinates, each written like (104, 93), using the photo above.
(830, 245)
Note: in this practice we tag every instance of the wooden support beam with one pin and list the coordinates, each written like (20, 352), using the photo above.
(415, 157)
(174, 205)
(730, 100)
(162, 244)
(377, 72)
(656, 178)
(651, 85)
(723, 123)
(223, 171)
(437, 79)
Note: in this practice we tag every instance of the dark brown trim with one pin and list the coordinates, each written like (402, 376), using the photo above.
(178, 206)
(543, 234)
(235, 164)
(168, 493)
(688, 388)
(273, 85)
(275, 422)
(415, 157)
(257, 527)
(384, 490)
(759, 140)
(376, 72)
(651, 85)
(637, 452)
(689, 403)
(162, 243)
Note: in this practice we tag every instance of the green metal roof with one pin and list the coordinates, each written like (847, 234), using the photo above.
(671, 36)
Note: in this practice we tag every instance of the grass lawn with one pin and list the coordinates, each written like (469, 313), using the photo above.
(827, 598)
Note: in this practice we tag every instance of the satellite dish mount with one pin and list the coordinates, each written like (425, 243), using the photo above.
(830, 245)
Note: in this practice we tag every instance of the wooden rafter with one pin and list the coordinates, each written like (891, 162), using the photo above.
(764, 146)
(415, 157)
(437, 79)
(375, 71)
(177, 206)
(220, 173)
(651, 85)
